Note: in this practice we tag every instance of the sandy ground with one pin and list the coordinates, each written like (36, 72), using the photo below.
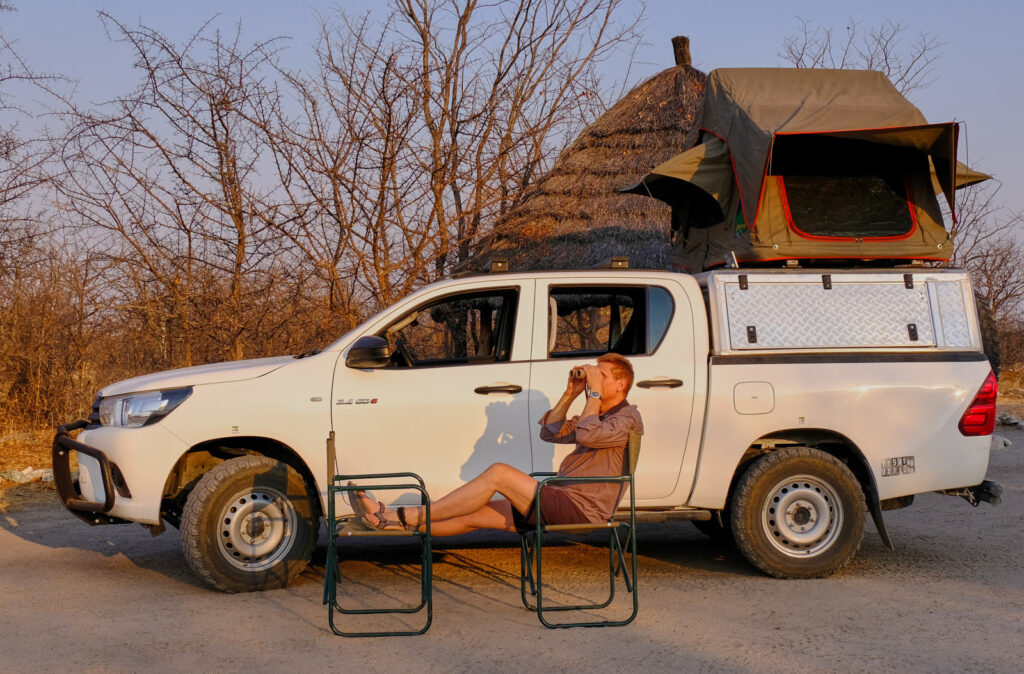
(951, 598)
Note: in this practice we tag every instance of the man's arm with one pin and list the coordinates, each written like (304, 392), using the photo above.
(612, 431)
(573, 388)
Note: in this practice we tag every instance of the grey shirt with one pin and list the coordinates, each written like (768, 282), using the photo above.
(600, 452)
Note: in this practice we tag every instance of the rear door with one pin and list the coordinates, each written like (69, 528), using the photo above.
(646, 320)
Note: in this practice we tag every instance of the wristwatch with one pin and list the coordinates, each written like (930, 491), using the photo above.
(594, 394)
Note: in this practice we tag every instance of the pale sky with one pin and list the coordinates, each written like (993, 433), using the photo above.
(977, 80)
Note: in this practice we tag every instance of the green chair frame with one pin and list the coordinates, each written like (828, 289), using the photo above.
(332, 574)
(532, 544)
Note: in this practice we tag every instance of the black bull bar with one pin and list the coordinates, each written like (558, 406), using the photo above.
(91, 512)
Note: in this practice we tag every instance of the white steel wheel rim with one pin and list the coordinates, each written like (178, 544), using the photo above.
(257, 529)
(802, 516)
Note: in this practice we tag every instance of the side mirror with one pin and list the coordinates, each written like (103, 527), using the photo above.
(368, 352)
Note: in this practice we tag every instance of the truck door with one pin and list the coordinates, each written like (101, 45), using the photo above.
(453, 399)
(649, 323)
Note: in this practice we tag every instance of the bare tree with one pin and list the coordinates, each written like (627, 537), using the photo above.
(907, 61)
(987, 244)
(227, 206)
(170, 173)
(417, 131)
(22, 154)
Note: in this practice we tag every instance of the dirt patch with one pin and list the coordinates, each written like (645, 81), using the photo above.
(21, 450)
(14, 498)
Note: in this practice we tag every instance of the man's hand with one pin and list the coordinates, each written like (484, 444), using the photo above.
(575, 385)
(573, 388)
(595, 378)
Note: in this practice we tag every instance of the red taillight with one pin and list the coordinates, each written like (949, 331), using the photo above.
(980, 417)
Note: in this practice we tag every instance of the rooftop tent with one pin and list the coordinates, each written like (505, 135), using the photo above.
(808, 164)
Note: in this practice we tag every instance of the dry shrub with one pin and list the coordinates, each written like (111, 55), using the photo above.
(1011, 380)
(21, 450)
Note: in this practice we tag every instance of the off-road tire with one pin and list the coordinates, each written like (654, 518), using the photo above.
(249, 525)
(989, 333)
(798, 513)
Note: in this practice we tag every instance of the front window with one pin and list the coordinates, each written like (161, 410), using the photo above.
(455, 330)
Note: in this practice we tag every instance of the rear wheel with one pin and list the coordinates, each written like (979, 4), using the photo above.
(798, 513)
(248, 525)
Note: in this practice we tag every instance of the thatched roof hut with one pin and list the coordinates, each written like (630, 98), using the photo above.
(574, 216)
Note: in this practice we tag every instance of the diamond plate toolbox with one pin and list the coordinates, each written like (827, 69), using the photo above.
(762, 310)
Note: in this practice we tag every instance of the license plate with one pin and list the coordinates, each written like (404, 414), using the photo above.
(898, 465)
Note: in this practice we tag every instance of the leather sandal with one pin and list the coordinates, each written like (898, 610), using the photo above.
(378, 520)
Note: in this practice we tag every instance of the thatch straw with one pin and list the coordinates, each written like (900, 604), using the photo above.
(574, 217)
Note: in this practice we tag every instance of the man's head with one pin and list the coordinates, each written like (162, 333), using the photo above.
(618, 374)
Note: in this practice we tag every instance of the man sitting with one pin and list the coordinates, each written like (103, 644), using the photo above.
(600, 433)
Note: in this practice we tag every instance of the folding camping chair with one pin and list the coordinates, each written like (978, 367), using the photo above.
(339, 485)
(532, 542)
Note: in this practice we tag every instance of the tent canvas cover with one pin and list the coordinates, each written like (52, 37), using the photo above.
(812, 165)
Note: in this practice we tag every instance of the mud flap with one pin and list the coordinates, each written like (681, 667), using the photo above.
(875, 508)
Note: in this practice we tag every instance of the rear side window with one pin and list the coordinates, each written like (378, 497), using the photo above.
(591, 320)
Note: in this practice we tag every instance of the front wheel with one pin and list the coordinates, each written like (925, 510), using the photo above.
(249, 525)
(798, 513)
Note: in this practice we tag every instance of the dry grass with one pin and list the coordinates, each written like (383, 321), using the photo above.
(25, 448)
(1011, 378)
(19, 451)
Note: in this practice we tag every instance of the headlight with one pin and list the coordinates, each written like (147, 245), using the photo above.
(140, 409)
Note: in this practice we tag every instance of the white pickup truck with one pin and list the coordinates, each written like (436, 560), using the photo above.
(780, 406)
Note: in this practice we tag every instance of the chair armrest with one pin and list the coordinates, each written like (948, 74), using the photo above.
(380, 476)
(418, 486)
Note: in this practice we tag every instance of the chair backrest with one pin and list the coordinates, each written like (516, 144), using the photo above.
(633, 450)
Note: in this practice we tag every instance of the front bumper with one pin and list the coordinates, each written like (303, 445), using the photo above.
(91, 512)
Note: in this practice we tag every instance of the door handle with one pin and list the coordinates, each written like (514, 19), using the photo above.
(498, 388)
(660, 382)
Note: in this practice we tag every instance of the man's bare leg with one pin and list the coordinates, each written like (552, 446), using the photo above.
(495, 515)
(471, 498)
